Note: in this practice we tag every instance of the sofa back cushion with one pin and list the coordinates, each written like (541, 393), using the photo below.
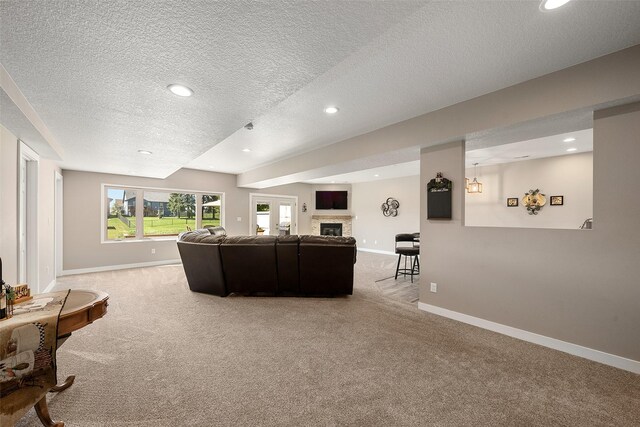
(326, 265)
(249, 264)
(288, 272)
(216, 231)
(190, 236)
(202, 262)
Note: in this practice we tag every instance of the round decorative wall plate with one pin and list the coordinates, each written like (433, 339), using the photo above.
(534, 200)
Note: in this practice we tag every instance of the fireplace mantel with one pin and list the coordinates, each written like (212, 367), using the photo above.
(329, 216)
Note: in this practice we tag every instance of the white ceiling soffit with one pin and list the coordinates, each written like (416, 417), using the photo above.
(397, 170)
(344, 171)
(97, 72)
(572, 121)
(549, 146)
(20, 118)
(17, 123)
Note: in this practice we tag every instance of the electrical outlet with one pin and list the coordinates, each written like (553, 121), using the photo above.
(153, 251)
(434, 287)
(375, 242)
(239, 219)
(364, 240)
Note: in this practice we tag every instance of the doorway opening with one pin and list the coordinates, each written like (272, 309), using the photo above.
(28, 217)
(58, 223)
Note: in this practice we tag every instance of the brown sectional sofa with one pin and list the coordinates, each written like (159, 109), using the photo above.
(267, 265)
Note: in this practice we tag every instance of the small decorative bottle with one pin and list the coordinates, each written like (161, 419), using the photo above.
(11, 298)
(3, 297)
(3, 301)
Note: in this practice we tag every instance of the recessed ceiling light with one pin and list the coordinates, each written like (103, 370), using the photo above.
(333, 182)
(571, 149)
(180, 90)
(376, 175)
(246, 150)
(145, 152)
(552, 4)
(331, 110)
(570, 139)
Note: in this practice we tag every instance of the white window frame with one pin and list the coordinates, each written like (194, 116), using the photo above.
(140, 208)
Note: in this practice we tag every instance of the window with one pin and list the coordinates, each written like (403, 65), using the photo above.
(168, 214)
(165, 213)
(211, 210)
(121, 213)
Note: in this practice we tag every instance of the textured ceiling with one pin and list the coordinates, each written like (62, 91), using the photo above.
(96, 72)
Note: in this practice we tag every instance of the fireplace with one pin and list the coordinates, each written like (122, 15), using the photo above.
(331, 221)
(330, 229)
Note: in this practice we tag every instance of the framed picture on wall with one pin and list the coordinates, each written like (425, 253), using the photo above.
(512, 202)
(557, 200)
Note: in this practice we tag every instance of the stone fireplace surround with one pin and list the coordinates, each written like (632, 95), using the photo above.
(345, 220)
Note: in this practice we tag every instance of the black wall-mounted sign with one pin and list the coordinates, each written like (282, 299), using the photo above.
(439, 192)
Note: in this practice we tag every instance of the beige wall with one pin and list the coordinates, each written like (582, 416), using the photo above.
(9, 214)
(572, 285)
(9, 205)
(46, 224)
(570, 176)
(82, 216)
(373, 230)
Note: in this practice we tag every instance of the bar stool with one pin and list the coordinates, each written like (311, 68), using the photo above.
(410, 252)
(416, 244)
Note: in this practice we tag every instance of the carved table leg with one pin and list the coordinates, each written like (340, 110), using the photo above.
(43, 413)
(64, 385)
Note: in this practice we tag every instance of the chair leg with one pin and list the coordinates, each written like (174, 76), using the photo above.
(412, 264)
(398, 266)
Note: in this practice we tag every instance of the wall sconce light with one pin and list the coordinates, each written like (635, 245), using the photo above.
(474, 186)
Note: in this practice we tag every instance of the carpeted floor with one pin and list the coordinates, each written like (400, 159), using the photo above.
(164, 356)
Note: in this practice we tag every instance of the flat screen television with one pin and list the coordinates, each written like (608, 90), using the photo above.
(331, 200)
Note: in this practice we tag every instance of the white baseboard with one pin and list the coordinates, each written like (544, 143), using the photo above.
(118, 267)
(574, 349)
(49, 287)
(377, 251)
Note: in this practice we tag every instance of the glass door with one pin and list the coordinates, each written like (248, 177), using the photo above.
(273, 215)
(262, 212)
(285, 211)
